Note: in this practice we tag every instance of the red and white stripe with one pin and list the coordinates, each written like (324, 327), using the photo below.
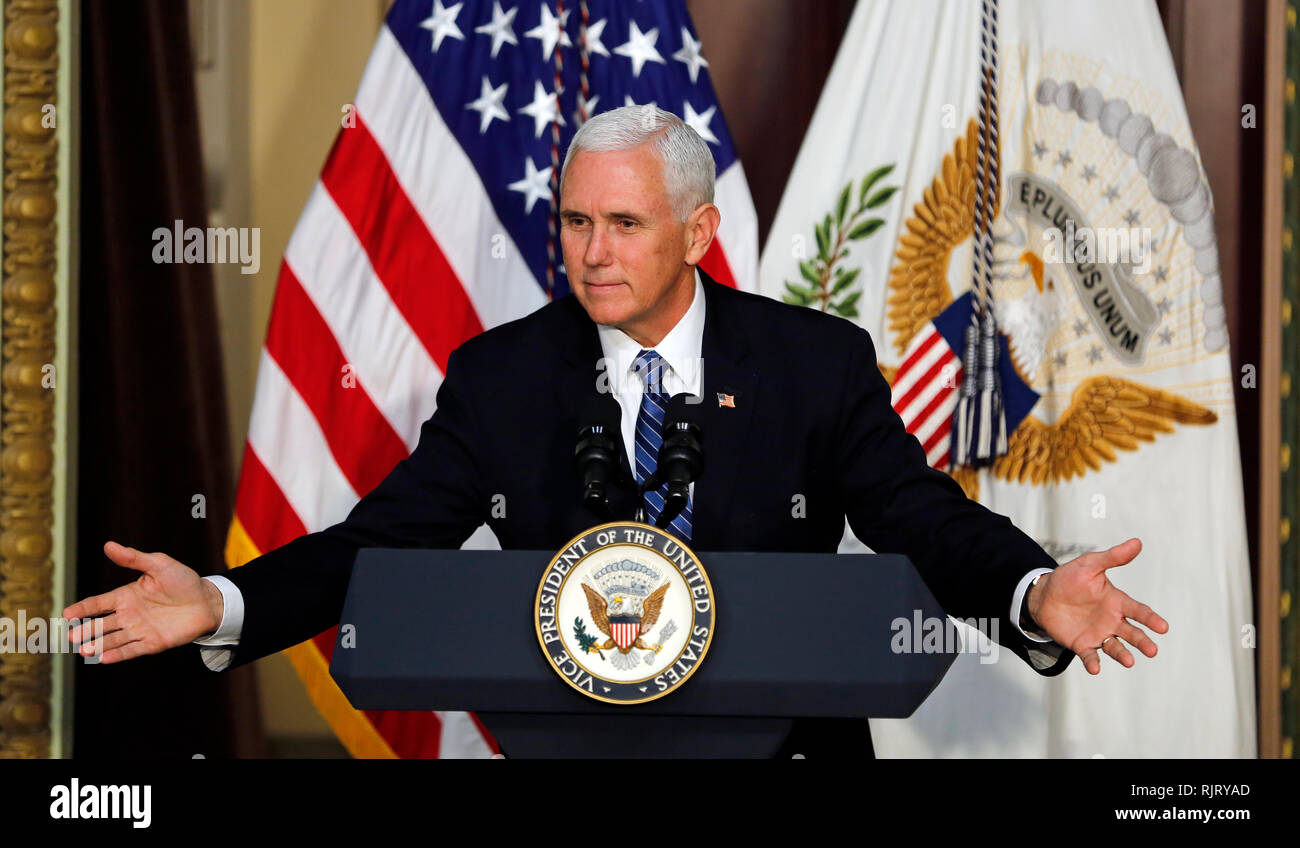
(924, 393)
(735, 248)
(625, 633)
(388, 270)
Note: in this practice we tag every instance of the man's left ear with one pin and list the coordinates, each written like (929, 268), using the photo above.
(701, 227)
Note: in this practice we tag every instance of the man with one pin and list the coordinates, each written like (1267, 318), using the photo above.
(806, 419)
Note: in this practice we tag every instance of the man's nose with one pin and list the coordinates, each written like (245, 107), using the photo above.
(597, 247)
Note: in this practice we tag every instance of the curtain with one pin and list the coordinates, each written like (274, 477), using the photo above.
(154, 466)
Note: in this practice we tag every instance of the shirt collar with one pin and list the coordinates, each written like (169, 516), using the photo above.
(680, 349)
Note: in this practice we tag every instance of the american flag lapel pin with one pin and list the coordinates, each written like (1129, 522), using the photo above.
(726, 400)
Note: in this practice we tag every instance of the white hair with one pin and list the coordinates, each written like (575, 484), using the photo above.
(688, 164)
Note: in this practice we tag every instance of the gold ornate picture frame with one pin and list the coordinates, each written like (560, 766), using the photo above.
(37, 366)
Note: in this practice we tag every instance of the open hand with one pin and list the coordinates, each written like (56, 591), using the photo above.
(169, 605)
(1081, 609)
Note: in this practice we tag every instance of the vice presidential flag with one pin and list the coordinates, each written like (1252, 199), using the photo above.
(433, 220)
(1028, 166)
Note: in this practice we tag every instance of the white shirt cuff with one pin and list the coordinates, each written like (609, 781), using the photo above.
(1018, 598)
(216, 650)
(232, 616)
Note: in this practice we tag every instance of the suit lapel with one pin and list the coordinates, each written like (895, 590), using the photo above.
(580, 381)
(730, 394)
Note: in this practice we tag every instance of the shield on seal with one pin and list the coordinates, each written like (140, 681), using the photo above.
(624, 629)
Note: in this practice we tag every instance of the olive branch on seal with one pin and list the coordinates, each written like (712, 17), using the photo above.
(825, 281)
(585, 640)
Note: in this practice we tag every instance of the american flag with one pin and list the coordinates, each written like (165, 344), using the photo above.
(433, 220)
(925, 389)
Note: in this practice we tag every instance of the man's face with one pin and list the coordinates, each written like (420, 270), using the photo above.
(624, 250)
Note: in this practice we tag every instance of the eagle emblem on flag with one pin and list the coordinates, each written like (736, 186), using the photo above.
(1105, 413)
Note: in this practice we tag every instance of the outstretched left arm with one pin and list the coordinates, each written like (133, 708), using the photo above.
(974, 560)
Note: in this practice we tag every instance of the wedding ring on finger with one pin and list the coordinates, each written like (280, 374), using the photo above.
(1104, 641)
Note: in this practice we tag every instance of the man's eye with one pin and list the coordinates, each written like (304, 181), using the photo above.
(627, 223)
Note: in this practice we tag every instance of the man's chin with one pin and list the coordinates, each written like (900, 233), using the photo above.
(610, 313)
(607, 317)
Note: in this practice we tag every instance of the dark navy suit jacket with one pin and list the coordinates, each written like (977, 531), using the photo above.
(812, 417)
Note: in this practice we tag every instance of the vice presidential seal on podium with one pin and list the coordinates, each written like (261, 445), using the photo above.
(625, 613)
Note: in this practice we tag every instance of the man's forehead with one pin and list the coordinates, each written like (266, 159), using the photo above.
(614, 178)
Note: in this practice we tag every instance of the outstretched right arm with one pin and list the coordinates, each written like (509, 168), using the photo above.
(432, 499)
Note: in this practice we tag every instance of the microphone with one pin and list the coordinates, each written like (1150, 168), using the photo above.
(597, 451)
(681, 456)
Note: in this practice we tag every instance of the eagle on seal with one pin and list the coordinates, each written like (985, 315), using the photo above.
(643, 612)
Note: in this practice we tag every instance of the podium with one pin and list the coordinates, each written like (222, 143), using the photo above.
(798, 635)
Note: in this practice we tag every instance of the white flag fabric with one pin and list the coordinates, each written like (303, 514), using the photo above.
(1116, 378)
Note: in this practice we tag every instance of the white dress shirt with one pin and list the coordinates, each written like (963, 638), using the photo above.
(681, 350)
(682, 372)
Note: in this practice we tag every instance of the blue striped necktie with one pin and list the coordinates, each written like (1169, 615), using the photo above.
(649, 437)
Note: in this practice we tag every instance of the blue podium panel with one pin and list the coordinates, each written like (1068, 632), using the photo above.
(797, 635)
